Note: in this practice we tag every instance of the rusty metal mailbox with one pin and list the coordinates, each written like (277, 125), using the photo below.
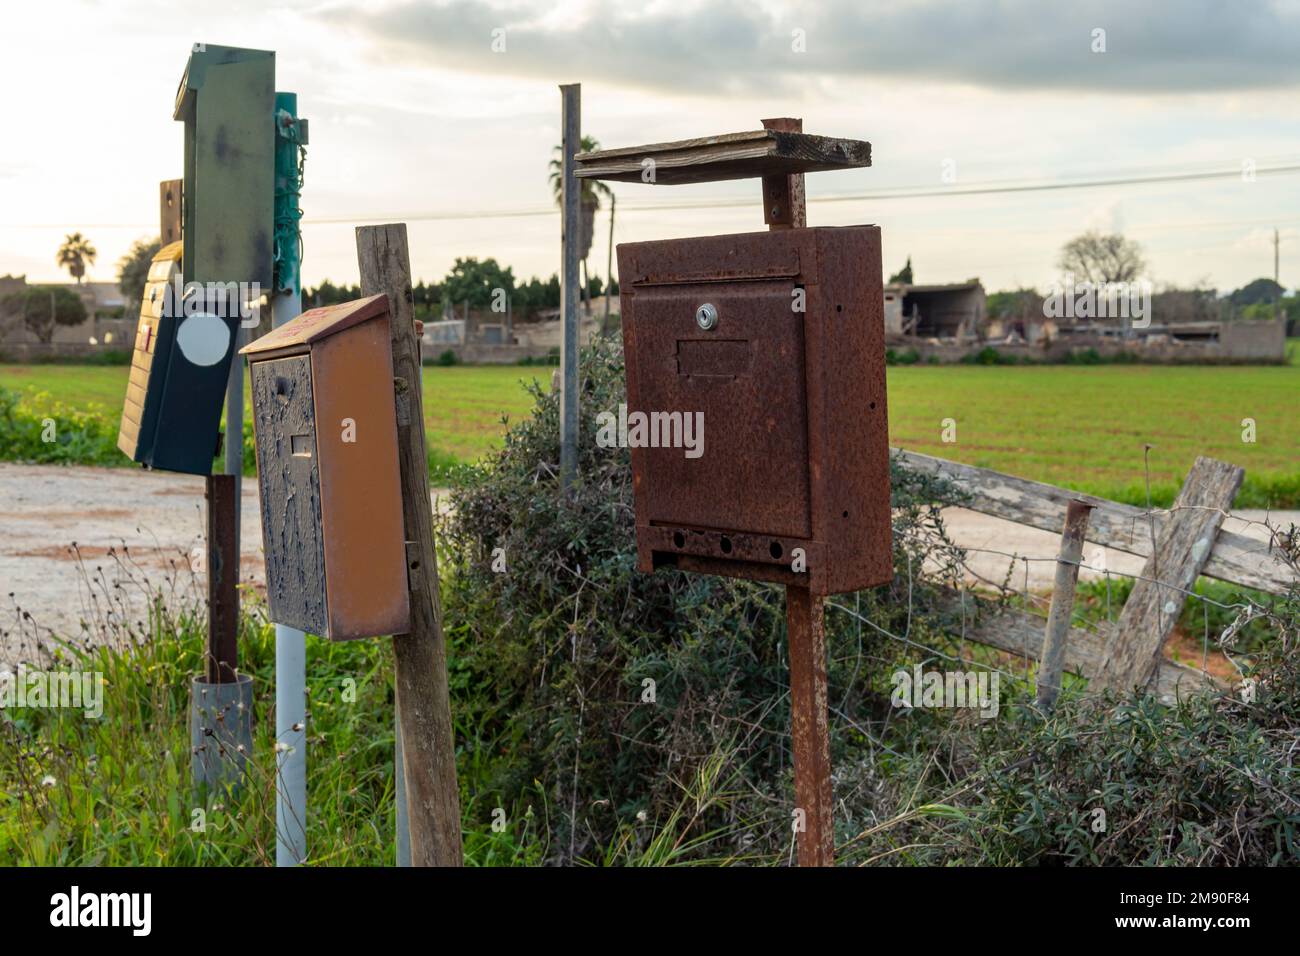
(326, 436)
(776, 340)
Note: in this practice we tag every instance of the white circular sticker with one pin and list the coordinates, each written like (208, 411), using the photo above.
(203, 338)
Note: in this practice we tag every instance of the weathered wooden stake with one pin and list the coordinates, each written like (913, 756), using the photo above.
(810, 727)
(1052, 662)
(1182, 549)
(420, 657)
(783, 196)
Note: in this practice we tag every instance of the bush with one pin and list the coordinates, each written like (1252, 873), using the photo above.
(58, 433)
(1112, 782)
(988, 356)
(554, 658)
(552, 357)
(550, 660)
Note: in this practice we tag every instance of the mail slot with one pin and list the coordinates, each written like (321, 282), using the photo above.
(180, 363)
(777, 338)
(326, 436)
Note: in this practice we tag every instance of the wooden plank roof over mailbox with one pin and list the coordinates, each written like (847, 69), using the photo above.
(752, 154)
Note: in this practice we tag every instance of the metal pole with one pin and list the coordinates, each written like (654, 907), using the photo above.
(571, 227)
(1052, 662)
(290, 701)
(290, 643)
(609, 263)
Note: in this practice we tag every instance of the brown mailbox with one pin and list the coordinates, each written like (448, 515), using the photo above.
(326, 432)
(777, 338)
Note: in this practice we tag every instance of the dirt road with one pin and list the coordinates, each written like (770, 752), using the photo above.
(46, 509)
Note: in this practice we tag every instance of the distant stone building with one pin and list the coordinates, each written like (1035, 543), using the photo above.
(110, 320)
(954, 311)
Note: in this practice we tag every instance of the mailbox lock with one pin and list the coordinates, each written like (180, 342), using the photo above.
(706, 316)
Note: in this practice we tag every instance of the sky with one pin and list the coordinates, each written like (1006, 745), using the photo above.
(445, 114)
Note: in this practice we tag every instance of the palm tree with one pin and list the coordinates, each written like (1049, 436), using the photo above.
(75, 254)
(590, 192)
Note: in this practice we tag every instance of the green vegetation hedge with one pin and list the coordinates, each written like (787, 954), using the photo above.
(552, 656)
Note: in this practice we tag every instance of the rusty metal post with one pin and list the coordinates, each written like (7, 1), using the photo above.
(223, 576)
(1052, 662)
(783, 196)
(570, 230)
(809, 727)
(221, 699)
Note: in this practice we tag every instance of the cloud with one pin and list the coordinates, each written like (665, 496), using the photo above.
(719, 46)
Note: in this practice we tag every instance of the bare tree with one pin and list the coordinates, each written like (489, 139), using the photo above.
(1097, 258)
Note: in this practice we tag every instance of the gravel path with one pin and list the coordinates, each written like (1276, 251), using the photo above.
(158, 516)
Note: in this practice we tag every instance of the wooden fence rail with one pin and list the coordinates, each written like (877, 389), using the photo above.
(1188, 542)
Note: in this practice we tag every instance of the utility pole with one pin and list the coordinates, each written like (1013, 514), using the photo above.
(571, 229)
(609, 263)
(1277, 292)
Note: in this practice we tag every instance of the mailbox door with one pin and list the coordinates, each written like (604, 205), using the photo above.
(746, 376)
(289, 474)
(144, 387)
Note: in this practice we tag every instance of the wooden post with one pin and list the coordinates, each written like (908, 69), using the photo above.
(169, 210)
(1182, 548)
(571, 229)
(810, 727)
(420, 657)
(223, 576)
(783, 196)
(1052, 663)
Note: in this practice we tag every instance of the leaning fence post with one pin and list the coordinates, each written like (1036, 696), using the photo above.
(1186, 538)
(1052, 661)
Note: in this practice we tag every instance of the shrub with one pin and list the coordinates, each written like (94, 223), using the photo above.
(550, 663)
(550, 659)
(57, 433)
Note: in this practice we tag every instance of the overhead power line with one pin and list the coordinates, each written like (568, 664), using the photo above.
(903, 192)
(989, 188)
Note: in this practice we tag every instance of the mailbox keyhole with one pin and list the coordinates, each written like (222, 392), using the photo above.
(775, 549)
(725, 544)
(679, 539)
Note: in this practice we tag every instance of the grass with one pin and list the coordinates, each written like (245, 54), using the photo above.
(115, 790)
(1085, 426)
(1078, 426)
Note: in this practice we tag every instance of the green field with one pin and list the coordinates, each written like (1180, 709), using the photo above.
(1080, 426)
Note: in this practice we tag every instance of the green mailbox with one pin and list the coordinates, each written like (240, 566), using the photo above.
(227, 101)
(202, 288)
